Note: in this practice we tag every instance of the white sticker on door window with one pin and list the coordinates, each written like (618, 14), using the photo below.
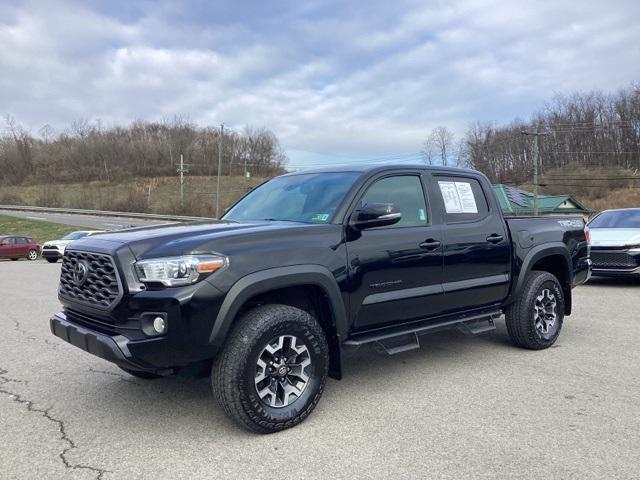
(450, 197)
(467, 200)
(458, 197)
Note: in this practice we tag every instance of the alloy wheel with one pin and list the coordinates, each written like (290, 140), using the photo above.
(545, 311)
(281, 371)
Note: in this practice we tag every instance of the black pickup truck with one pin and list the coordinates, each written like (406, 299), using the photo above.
(308, 265)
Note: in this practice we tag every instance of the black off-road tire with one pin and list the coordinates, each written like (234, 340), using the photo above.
(520, 315)
(234, 372)
(141, 374)
(52, 260)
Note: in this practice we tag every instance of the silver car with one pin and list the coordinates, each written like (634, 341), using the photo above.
(615, 242)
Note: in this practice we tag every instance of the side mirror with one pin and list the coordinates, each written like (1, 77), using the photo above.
(375, 215)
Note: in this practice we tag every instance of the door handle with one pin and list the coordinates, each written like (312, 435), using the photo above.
(495, 238)
(430, 244)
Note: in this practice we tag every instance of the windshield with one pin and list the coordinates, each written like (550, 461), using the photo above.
(617, 219)
(306, 198)
(75, 236)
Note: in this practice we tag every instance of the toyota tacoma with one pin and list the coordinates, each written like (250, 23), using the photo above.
(306, 266)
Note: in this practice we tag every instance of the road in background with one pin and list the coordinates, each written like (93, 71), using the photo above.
(90, 221)
(461, 407)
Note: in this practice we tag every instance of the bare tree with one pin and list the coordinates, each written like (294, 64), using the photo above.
(587, 130)
(440, 146)
(89, 151)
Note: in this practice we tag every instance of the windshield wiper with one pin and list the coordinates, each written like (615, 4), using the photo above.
(278, 220)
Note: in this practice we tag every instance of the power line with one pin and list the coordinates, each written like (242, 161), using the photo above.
(553, 177)
(593, 153)
(579, 185)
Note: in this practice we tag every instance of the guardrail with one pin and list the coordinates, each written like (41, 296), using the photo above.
(105, 213)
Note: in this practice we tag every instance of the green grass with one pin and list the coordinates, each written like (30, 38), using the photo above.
(40, 231)
(154, 195)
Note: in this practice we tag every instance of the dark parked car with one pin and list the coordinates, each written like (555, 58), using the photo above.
(18, 246)
(308, 265)
(615, 242)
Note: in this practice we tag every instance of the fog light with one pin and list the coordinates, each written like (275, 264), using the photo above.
(159, 325)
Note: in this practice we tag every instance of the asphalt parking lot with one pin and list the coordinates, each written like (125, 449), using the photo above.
(460, 407)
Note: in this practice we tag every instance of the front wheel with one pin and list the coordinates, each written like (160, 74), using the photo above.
(534, 320)
(52, 260)
(32, 255)
(273, 368)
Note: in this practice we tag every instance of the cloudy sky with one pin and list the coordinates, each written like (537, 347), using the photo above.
(332, 79)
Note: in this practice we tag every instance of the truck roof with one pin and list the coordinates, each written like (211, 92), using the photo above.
(360, 168)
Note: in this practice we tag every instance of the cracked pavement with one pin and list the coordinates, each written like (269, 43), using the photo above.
(461, 407)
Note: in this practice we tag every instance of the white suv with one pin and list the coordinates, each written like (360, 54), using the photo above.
(54, 249)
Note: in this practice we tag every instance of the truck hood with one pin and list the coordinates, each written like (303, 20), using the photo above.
(180, 239)
(614, 237)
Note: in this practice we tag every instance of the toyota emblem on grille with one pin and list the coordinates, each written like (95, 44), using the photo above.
(80, 273)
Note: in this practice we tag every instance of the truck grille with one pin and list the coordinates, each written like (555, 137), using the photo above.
(89, 278)
(603, 259)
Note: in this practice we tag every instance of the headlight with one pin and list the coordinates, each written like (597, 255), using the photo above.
(176, 271)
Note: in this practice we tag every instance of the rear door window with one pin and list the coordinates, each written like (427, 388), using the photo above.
(463, 199)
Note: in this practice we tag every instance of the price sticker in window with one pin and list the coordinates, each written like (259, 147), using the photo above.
(458, 197)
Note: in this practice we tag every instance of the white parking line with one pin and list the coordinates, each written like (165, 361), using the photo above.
(36, 218)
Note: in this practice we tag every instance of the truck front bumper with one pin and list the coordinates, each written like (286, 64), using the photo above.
(51, 253)
(115, 349)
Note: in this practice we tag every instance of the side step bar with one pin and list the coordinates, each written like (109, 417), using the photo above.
(405, 338)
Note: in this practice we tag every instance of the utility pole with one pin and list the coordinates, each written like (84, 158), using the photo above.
(246, 174)
(219, 168)
(181, 171)
(536, 159)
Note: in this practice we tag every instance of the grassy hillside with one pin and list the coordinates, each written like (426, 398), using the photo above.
(595, 187)
(40, 231)
(155, 195)
(161, 195)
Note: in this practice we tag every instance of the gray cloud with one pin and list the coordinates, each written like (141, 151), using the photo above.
(361, 79)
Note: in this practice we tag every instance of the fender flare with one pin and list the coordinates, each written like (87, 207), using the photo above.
(539, 252)
(276, 278)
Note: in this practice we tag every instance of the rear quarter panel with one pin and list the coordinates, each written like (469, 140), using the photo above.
(536, 237)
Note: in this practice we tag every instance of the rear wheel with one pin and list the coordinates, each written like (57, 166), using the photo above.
(272, 370)
(32, 255)
(535, 319)
(52, 260)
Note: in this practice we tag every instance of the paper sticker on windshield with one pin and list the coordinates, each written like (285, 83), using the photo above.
(458, 197)
(320, 217)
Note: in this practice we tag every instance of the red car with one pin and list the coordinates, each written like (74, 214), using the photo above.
(16, 246)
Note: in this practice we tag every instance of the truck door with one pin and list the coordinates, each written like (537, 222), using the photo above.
(477, 253)
(395, 272)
